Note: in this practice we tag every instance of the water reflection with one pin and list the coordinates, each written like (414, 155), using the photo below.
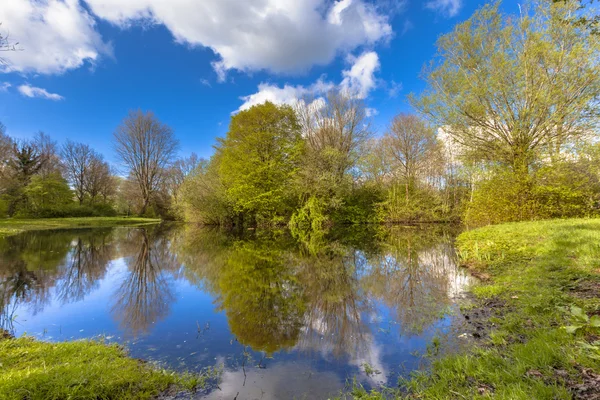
(336, 302)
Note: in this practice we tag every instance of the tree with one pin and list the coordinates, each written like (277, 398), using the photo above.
(147, 147)
(334, 128)
(204, 196)
(508, 87)
(413, 145)
(47, 193)
(588, 18)
(98, 180)
(6, 45)
(47, 148)
(180, 170)
(259, 157)
(5, 150)
(76, 158)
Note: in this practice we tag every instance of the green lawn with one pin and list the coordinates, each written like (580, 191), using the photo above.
(30, 369)
(14, 226)
(542, 282)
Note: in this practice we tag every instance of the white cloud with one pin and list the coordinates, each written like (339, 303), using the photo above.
(393, 89)
(280, 36)
(370, 112)
(446, 7)
(32, 91)
(284, 95)
(4, 86)
(53, 35)
(358, 81)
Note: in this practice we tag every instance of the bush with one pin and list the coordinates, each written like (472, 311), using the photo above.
(558, 190)
(423, 205)
(69, 210)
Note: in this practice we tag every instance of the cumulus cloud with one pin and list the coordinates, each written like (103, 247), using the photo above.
(54, 36)
(4, 86)
(284, 95)
(280, 36)
(358, 81)
(32, 91)
(446, 7)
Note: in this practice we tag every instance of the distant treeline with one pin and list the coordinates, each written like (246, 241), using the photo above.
(506, 130)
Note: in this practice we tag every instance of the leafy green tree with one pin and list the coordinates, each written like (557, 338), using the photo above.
(51, 192)
(507, 87)
(258, 160)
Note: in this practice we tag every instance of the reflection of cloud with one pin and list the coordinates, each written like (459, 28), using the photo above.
(283, 380)
(372, 355)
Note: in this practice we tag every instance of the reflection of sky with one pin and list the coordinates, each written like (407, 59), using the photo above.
(193, 336)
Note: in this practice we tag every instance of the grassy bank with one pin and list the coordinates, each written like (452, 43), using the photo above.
(32, 370)
(536, 314)
(14, 226)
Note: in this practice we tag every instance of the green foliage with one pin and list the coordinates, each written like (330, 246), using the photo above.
(421, 205)
(508, 87)
(581, 321)
(359, 206)
(557, 190)
(259, 157)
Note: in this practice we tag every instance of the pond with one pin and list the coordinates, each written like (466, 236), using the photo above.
(283, 317)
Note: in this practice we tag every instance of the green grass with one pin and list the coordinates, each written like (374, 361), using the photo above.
(537, 271)
(30, 369)
(14, 226)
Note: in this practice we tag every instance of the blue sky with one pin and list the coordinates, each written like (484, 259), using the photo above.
(84, 64)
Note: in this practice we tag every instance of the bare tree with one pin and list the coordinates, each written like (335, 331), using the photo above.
(147, 147)
(77, 158)
(97, 181)
(5, 148)
(6, 45)
(179, 171)
(334, 128)
(49, 153)
(413, 145)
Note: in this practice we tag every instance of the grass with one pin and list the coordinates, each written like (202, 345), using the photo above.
(30, 369)
(10, 227)
(542, 278)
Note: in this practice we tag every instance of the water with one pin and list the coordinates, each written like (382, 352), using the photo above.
(284, 318)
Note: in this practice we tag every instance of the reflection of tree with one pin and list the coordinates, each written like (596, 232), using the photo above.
(21, 286)
(412, 275)
(145, 295)
(28, 270)
(261, 297)
(334, 302)
(85, 265)
(35, 262)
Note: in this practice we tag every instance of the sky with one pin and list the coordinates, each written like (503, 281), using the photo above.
(82, 65)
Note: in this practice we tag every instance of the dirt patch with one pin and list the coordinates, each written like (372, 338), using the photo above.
(587, 290)
(589, 389)
(4, 334)
(476, 323)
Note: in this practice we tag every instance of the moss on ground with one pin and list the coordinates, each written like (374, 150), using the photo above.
(545, 277)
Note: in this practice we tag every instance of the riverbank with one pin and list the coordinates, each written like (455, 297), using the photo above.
(10, 227)
(33, 370)
(534, 319)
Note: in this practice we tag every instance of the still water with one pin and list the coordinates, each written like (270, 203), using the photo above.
(283, 317)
